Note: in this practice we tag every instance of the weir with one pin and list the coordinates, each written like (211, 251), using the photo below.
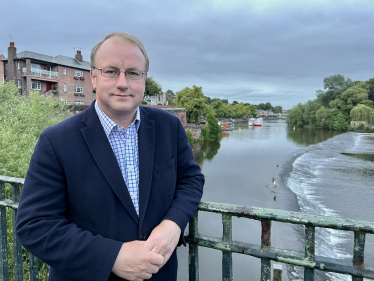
(225, 244)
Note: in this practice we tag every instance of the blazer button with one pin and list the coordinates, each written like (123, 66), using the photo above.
(143, 237)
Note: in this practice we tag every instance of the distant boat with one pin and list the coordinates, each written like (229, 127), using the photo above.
(250, 121)
(257, 122)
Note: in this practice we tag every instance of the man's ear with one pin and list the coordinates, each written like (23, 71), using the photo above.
(93, 78)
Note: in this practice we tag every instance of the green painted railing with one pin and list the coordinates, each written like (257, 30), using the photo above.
(266, 253)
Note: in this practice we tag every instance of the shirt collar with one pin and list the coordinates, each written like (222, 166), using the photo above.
(108, 124)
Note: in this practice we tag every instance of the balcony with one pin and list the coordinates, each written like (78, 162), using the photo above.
(42, 73)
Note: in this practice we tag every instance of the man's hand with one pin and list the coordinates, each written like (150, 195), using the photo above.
(164, 239)
(136, 263)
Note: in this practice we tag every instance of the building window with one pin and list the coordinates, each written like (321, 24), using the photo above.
(79, 102)
(64, 71)
(79, 89)
(78, 73)
(36, 85)
(19, 83)
(18, 66)
(65, 88)
(64, 101)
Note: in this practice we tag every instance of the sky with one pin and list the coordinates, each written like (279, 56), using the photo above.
(252, 51)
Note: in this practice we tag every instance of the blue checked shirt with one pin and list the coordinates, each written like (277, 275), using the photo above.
(124, 143)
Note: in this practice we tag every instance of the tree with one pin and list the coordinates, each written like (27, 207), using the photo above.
(225, 101)
(170, 97)
(362, 112)
(323, 117)
(234, 102)
(334, 85)
(212, 129)
(310, 108)
(152, 88)
(261, 106)
(338, 122)
(277, 109)
(268, 106)
(368, 103)
(193, 101)
(295, 116)
(219, 109)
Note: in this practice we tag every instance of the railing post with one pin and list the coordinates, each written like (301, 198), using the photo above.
(17, 247)
(358, 253)
(34, 271)
(265, 245)
(3, 240)
(227, 272)
(309, 251)
(193, 250)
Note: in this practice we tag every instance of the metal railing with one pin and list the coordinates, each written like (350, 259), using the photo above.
(266, 253)
(42, 73)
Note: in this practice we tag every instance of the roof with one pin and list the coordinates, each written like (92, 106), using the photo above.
(60, 60)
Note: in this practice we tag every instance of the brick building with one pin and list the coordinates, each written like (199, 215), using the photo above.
(1, 68)
(65, 78)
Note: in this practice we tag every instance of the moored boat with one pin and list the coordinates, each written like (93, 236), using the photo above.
(258, 122)
(250, 121)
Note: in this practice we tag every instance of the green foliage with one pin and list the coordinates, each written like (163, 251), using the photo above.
(152, 87)
(338, 122)
(368, 103)
(191, 139)
(144, 102)
(193, 101)
(295, 116)
(277, 109)
(361, 126)
(22, 119)
(367, 128)
(334, 85)
(323, 117)
(362, 112)
(212, 130)
(170, 97)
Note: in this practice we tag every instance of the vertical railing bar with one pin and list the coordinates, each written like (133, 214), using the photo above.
(310, 237)
(227, 270)
(193, 250)
(34, 272)
(17, 247)
(3, 240)
(265, 245)
(358, 253)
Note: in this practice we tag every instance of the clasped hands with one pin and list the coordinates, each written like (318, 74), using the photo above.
(138, 260)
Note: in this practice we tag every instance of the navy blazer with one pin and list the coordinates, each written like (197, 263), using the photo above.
(75, 210)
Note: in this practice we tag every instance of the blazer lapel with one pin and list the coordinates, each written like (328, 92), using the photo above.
(105, 159)
(146, 148)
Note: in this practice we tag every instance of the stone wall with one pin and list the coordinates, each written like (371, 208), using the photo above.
(355, 124)
(195, 129)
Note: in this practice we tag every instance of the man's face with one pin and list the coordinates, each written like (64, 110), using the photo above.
(119, 97)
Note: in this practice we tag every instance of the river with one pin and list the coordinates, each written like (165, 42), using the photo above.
(315, 171)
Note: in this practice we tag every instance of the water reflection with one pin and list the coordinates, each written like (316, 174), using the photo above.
(208, 150)
(309, 136)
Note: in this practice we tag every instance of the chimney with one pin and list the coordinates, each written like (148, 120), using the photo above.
(11, 68)
(79, 56)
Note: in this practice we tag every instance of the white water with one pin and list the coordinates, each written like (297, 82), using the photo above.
(332, 184)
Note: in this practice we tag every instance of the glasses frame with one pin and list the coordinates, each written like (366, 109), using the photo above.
(124, 72)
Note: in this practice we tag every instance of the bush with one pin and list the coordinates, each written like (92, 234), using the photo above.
(367, 128)
(361, 126)
(144, 102)
(191, 139)
(212, 129)
(22, 119)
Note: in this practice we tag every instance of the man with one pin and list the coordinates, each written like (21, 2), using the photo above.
(109, 191)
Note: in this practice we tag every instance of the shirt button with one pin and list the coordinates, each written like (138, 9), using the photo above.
(119, 129)
(128, 141)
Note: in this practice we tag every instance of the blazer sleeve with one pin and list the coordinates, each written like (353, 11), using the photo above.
(189, 185)
(45, 231)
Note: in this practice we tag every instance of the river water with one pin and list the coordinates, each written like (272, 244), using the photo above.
(312, 171)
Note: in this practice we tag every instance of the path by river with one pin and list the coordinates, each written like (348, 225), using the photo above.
(240, 170)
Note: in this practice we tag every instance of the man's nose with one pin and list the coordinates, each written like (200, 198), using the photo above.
(122, 81)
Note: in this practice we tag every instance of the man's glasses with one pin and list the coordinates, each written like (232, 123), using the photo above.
(111, 72)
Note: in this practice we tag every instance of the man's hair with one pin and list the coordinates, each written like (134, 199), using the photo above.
(127, 36)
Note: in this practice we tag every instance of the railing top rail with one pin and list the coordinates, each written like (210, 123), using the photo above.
(11, 180)
(288, 217)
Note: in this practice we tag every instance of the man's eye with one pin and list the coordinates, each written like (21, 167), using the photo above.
(110, 71)
(133, 73)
